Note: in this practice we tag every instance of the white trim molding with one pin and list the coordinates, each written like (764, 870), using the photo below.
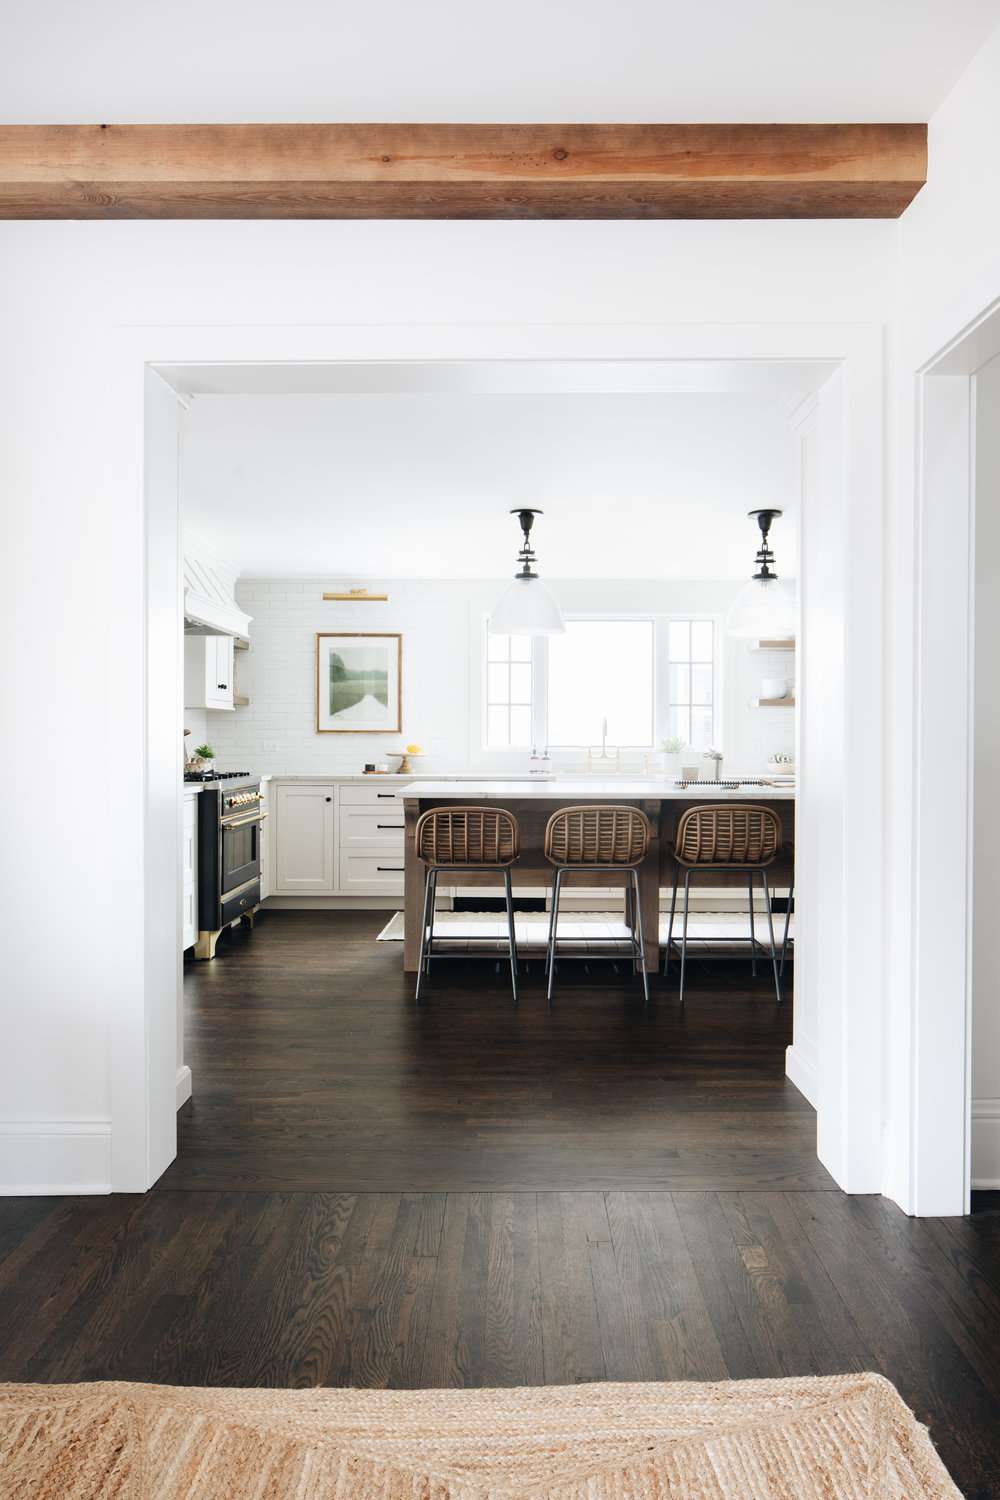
(184, 1084)
(848, 924)
(39, 1157)
(800, 1069)
(986, 1143)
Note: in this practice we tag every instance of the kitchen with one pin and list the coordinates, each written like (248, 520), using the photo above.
(390, 558)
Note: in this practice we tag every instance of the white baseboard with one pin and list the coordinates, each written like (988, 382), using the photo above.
(986, 1143)
(183, 1084)
(38, 1157)
(802, 1072)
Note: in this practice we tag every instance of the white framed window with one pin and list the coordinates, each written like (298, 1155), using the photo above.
(650, 676)
(602, 672)
(691, 686)
(509, 692)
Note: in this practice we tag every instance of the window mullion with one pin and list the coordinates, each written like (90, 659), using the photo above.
(540, 691)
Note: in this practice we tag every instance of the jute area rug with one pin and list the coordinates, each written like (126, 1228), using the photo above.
(846, 1437)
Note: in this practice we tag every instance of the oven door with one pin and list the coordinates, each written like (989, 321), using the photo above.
(240, 850)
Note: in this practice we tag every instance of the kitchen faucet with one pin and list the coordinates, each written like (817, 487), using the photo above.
(605, 753)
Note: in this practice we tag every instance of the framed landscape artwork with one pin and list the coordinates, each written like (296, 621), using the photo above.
(359, 684)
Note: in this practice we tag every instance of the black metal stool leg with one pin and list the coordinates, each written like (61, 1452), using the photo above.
(430, 919)
(753, 936)
(684, 936)
(770, 928)
(784, 940)
(423, 936)
(511, 935)
(637, 930)
(552, 917)
(670, 928)
(553, 932)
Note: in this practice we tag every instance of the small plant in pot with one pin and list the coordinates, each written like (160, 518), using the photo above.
(204, 758)
(672, 748)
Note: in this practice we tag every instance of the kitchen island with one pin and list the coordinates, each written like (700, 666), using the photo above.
(533, 802)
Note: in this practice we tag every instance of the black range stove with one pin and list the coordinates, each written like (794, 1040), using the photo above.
(216, 775)
(229, 829)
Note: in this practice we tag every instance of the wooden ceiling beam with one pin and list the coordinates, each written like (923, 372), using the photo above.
(460, 171)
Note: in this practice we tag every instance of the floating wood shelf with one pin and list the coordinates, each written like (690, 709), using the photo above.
(788, 702)
(785, 645)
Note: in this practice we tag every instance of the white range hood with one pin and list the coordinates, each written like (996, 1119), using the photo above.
(210, 606)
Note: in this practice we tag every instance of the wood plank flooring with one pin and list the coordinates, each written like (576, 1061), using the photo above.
(498, 1289)
(313, 1070)
(467, 1274)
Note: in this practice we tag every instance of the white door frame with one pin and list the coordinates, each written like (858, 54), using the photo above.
(851, 1005)
(941, 782)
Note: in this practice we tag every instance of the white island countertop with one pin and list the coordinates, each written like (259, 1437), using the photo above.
(591, 789)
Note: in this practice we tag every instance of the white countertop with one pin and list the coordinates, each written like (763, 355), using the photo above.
(394, 776)
(592, 788)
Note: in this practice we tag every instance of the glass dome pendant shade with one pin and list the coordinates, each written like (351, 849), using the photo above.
(526, 607)
(765, 607)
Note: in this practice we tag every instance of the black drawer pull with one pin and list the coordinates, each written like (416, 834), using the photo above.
(388, 825)
(390, 869)
(385, 794)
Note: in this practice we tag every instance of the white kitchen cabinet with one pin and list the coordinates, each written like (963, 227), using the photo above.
(189, 870)
(303, 835)
(365, 827)
(208, 671)
(371, 872)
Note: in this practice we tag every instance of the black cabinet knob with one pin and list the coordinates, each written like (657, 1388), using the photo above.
(329, 799)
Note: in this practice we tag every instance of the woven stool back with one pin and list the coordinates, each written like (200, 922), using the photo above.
(596, 835)
(467, 836)
(737, 834)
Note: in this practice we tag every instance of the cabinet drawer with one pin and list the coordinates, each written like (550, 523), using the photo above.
(372, 872)
(241, 901)
(381, 827)
(353, 794)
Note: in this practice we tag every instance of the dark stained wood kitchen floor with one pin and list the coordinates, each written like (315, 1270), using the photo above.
(439, 1226)
(313, 1070)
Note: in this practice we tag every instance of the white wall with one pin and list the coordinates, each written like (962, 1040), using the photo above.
(986, 835)
(74, 565)
(947, 276)
(441, 624)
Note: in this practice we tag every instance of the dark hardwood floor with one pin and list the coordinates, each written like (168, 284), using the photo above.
(314, 1070)
(494, 1265)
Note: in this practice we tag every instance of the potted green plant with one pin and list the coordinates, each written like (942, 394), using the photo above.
(205, 756)
(672, 747)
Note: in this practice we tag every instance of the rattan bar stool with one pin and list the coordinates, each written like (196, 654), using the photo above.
(737, 837)
(464, 838)
(598, 840)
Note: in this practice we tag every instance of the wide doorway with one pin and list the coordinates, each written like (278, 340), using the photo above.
(369, 503)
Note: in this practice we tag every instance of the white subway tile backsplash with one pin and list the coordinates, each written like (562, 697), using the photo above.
(277, 733)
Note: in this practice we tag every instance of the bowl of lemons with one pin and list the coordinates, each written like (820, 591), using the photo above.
(405, 757)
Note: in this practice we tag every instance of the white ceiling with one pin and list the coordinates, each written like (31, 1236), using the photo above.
(363, 487)
(454, 60)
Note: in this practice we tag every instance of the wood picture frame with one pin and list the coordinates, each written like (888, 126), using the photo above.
(359, 684)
